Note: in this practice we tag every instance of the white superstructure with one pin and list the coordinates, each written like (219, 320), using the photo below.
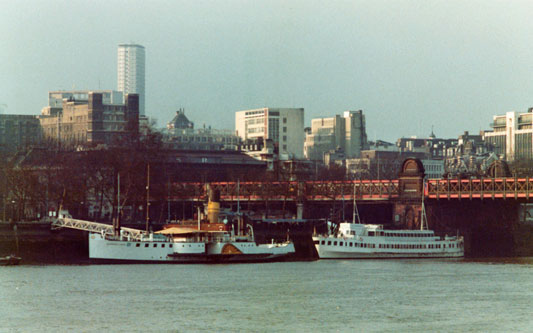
(357, 241)
(131, 72)
(184, 246)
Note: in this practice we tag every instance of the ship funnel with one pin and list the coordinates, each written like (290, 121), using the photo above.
(213, 206)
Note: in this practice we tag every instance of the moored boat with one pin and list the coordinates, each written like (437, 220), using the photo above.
(183, 244)
(10, 260)
(358, 241)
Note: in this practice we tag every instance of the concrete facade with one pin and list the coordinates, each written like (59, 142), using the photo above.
(512, 136)
(131, 72)
(284, 126)
(346, 133)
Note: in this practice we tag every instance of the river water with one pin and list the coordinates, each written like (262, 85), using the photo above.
(489, 295)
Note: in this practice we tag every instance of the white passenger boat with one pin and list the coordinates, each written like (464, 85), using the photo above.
(358, 241)
(176, 244)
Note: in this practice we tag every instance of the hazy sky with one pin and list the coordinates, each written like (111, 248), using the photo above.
(407, 64)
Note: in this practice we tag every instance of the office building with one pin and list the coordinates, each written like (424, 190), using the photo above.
(284, 126)
(18, 132)
(346, 133)
(512, 136)
(91, 121)
(131, 69)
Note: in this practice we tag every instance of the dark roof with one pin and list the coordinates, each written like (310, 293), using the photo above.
(181, 121)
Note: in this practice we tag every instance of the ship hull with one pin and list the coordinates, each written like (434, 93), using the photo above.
(327, 254)
(379, 248)
(102, 250)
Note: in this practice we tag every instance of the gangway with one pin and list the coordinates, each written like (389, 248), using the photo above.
(101, 228)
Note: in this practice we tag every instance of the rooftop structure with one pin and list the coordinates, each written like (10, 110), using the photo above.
(181, 134)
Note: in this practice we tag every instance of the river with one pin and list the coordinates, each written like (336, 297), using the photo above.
(489, 295)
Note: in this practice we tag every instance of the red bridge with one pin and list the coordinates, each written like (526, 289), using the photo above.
(409, 186)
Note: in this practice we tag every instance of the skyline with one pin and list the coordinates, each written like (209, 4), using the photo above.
(451, 65)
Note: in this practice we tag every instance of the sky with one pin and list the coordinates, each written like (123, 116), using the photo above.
(409, 65)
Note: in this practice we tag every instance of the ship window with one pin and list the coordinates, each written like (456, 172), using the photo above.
(341, 243)
(329, 242)
(137, 245)
(335, 243)
(323, 242)
(443, 246)
(370, 233)
(351, 244)
(145, 245)
(317, 242)
(169, 245)
(162, 245)
(155, 245)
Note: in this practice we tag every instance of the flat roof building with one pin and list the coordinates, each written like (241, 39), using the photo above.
(512, 135)
(346, 133)
(284, 126)
(18, 132)
(91, 121)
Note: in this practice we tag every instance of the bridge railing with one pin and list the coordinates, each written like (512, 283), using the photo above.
(484, 188)
(289, 190)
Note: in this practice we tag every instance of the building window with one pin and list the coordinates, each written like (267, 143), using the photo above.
(284, 129)
(284, 120)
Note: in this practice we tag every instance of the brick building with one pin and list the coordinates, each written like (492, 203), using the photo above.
(91, 122)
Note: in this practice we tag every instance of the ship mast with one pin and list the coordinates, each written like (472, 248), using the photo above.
(148, 199)
(424, 219)
(355, 210)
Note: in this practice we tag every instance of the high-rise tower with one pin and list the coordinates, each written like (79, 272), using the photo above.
(131, 61)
